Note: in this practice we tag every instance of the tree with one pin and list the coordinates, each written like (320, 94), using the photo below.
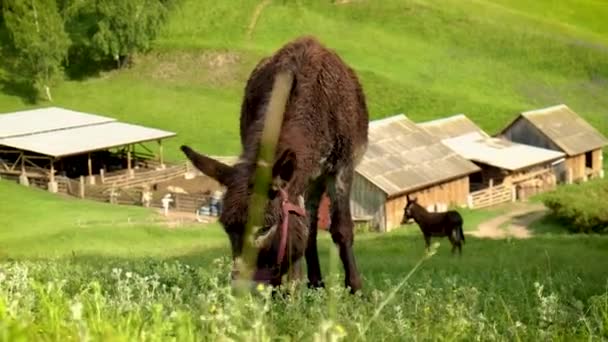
(39, 42)
(126, 27)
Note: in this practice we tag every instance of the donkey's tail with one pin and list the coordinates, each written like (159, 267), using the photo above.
(461, 232)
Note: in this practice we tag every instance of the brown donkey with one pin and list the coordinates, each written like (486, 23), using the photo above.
(322, 139)
(435, 224)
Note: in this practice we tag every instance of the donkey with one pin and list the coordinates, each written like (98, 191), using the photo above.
(323, 138)
(435, 224)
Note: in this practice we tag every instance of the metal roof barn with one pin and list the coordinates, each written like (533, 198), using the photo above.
(402, 158)
(38, 143)
(44, 120)
(58, 132)
(559, 128)
(464, 137)
(566, 129)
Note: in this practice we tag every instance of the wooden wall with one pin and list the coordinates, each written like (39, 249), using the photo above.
(523, 132)
(368, 200)
(576, 167)
(597, 160)
(453, 192)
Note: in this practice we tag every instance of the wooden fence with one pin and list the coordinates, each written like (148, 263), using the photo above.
(127, 195)
(146, 176)
(491, 196)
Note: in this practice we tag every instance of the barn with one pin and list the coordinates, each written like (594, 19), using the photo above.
(507, 168)
(403, 159)
(559, 128)
(40, 144)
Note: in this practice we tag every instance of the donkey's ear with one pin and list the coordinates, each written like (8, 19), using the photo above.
(285, 166)
(209, 166)
(407, 196)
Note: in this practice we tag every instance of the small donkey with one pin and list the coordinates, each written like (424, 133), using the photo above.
(435, 224)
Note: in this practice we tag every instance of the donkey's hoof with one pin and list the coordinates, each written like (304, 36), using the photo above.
(316, 284)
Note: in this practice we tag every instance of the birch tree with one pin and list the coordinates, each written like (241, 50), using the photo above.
(39, 41)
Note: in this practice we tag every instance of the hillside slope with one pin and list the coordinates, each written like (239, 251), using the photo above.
(424, 58)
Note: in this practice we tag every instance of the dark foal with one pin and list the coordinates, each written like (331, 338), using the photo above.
(435, 224)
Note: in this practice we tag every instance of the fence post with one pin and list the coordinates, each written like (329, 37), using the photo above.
(513, 193)
(176, 201)
(470, 201)
(102, 175)
(569, 176)
(490, 189)
(81, 187)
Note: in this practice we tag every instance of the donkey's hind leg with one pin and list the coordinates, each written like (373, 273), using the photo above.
(427, 243)
(342, 225)
(453, 241)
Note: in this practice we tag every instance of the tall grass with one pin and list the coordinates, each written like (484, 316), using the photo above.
(172, 300)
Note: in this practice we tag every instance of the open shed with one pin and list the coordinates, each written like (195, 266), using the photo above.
(518, 169)
(403, 159)
(559, 128)
(39, 143)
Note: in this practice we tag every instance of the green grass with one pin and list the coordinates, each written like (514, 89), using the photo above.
(425, 58)
(59, 280)
(41, 225)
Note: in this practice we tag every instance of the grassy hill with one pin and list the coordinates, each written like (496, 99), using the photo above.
(424, 58)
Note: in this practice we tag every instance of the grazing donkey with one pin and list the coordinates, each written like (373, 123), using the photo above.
(435, 224)
(322, 139)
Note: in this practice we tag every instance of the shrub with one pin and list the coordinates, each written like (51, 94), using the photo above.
(582, 207)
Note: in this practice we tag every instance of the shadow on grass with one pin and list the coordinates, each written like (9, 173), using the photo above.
(19, 89)
(549, 225)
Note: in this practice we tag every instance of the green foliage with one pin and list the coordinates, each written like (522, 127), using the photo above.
(38, 40)
(581, 206)
(126, 27)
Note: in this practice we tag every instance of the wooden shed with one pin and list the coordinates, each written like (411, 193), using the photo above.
(402, 159)
(559, 128)
(509, 170)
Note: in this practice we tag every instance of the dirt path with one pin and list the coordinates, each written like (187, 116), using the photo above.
(176, 219)
(517, 222)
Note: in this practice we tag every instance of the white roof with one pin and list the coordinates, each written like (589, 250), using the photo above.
(45, 119)
(58, 132)
(498, 152)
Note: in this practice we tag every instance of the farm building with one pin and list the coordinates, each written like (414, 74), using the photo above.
(403, 159)
(559, 128)
(41, 145)
(509, 170)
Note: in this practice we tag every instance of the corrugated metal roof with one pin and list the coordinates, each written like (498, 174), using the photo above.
(44, 120)
(467, 139)
(451, 126)
(59, 132)
(402, 157)
(85, 139)
(500, 153)
(566, 129)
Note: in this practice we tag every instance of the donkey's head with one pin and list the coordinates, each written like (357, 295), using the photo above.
(407, 211)
(239, 181)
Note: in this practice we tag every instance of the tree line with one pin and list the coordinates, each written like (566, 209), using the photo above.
(44, 40)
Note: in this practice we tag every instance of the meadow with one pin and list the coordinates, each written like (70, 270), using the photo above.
(60, 280)
(120, 278)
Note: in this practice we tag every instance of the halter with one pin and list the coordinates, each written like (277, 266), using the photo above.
(287, 207)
